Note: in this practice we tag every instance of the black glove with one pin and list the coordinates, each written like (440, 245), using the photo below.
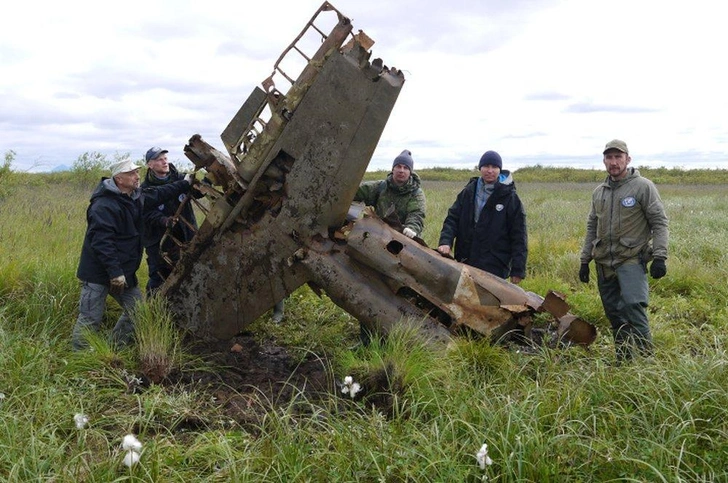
(584, 273)
(658, 269)
(117, 285)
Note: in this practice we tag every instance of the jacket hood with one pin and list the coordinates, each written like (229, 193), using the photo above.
(107, 187)
(504, 178)
(632, 173)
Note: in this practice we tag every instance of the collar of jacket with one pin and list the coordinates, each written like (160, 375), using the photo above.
(151, 178)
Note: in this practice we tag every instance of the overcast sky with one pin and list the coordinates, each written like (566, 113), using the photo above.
(544, 82)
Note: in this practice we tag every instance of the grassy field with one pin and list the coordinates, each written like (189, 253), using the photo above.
(559, 415)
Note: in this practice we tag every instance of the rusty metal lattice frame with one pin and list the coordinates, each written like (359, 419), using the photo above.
(293, 46)
(274, 97)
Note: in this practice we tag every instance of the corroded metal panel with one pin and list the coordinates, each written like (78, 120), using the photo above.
(278, 216)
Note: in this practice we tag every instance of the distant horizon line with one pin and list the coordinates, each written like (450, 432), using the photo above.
(63, 168)
(456, 167)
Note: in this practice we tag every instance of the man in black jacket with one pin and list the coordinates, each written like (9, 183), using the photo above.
(487, 223)
(112, 249)
(159, 216)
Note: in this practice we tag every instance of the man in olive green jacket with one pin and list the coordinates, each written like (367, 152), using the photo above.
(400, 194)
(626, 229)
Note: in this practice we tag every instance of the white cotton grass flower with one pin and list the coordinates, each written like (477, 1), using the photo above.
(131, 458)
(131, 443)
(350, 387)
(81, 420)
(132, 446)
(483, 458)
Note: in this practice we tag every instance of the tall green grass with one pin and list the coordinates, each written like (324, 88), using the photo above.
(422, 415)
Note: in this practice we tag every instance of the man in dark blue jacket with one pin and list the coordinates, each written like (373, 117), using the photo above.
(487, 223)
(159, 216)
(112, 249)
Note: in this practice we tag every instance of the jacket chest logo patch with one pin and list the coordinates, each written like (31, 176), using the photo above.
(160, 207)
(181, 197)
(499, 207)
(629, 202)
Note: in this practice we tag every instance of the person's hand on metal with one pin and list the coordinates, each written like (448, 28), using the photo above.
(409, 232)
(658, 269)
(117, 285)
(444, 249)
(584, 273)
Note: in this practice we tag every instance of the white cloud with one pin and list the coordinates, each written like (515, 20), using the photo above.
(545, 82)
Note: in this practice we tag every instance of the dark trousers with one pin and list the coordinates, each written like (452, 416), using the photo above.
(159, 269)
(91, 313)
(625, 294)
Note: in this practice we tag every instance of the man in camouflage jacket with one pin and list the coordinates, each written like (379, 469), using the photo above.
(400, 195)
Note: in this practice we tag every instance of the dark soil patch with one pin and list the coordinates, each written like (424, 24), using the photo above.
(247, 377)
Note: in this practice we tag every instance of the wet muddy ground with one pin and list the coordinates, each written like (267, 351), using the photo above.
(249, 377)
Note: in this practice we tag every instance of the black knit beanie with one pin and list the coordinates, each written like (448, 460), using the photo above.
(492, 158)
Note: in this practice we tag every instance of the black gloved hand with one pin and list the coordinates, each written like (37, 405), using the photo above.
(117, 285)
(584, 273)
(658, 269)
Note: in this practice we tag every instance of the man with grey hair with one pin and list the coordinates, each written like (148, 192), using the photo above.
(625, 230)
(112, 249)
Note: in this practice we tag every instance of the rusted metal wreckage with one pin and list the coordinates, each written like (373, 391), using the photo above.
(278, 213)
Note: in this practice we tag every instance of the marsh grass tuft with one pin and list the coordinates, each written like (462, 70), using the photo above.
(158, 340)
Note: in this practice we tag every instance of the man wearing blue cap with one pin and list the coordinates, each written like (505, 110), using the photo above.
(160, 216)
(399, 199)
(487, 223)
